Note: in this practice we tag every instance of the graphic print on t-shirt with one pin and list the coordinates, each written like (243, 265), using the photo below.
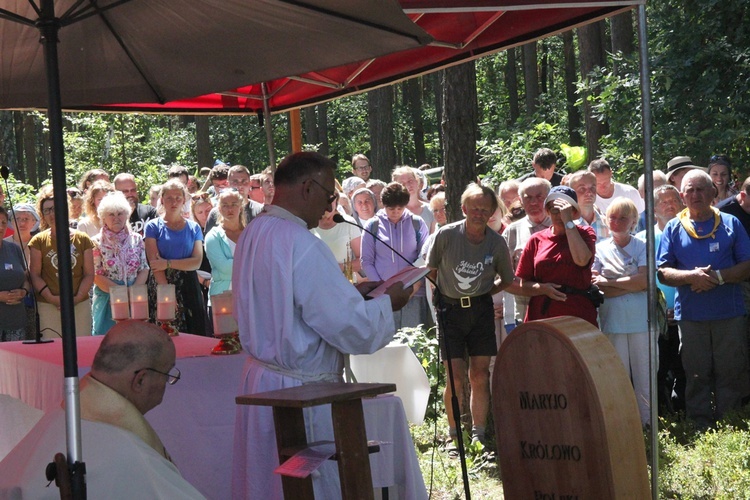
(466, 274)
(52, 256)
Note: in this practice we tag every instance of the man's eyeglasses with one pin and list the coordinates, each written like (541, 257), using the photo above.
(171, 379)
(363, 168)
(332, 195)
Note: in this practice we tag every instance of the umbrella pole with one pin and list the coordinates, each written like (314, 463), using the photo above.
(49, 28)
(650, 247)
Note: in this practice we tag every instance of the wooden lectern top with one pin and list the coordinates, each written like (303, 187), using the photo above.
(323, 393)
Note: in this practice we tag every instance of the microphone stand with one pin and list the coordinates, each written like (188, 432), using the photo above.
(338, 218)
(38, 334)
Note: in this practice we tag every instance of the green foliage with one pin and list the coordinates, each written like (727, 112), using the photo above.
(242, 140)
(19, 192)
(510, 156)
(699, 53)
(618, 103)
(714, 464)
(701, 79)
(348, 129)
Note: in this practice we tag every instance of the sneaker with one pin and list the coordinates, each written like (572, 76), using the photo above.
(476, 438)
(451, 449)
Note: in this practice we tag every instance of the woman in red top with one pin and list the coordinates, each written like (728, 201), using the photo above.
(555, 266)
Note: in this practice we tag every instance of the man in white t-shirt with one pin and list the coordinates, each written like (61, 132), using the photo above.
(607, 189)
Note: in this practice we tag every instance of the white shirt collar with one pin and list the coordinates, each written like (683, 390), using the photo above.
(282, 213)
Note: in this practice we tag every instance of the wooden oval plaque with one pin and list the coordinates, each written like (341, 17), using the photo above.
(566, 418)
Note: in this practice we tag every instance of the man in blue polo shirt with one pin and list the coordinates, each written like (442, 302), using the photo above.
(706, 254)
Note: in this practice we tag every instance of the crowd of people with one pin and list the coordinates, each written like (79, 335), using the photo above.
(540, 246)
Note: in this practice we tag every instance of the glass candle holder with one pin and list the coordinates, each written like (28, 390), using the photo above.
(118, 302)
(166, 306)
(224, 322)
(138, 301)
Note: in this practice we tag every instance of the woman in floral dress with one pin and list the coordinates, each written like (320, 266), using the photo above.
(119, 257)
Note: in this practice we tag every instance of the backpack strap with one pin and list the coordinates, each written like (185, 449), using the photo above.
(416, 225)
(373, 228)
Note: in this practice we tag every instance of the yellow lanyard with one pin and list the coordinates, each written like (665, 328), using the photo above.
(684, 217)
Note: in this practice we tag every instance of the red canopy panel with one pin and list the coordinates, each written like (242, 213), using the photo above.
(462, 30)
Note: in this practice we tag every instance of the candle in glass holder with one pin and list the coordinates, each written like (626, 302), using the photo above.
(165, 302)
(224, 322)
(118, 301)
(138, 301)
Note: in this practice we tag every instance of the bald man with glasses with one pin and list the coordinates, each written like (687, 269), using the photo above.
(124, 456)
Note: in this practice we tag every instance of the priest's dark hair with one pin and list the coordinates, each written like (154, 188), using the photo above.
(298, 166)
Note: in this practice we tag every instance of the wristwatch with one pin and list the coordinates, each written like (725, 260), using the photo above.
(570, 224)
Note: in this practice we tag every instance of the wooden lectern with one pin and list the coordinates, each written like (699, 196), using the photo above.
(348, 430)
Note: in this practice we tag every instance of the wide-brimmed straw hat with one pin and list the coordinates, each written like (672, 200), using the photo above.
(679, 163)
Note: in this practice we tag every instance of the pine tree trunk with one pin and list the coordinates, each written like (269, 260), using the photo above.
(623, 37)
(531, 77)
(203, 142)
(590, 44)
(17, 168)
(310, 119)
(29, 147)
(413, 100)
(544, 66)
(511, 85)
(323, 128)
(380, 120)
(435, 82)
(459, 127)
(571, 78)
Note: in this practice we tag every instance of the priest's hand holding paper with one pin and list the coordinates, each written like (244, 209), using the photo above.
(399, 295)
(365, 287)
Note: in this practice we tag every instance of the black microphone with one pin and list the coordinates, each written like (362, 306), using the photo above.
(4, 172)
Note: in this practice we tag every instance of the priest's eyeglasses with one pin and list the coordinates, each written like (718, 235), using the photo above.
(332, 195)
(171, 379)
